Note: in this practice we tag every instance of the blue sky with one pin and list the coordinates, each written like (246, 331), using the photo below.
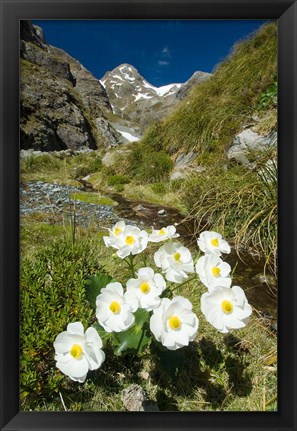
(162, 51)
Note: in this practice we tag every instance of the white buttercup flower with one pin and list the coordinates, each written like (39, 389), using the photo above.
(226, 308)
(131, 240)
(113, 312)
(212, 242)
(163, 234)
(175, 260)
(213, 271)
(173, 323)
(145, 289)
(114, 232)
(77, 352)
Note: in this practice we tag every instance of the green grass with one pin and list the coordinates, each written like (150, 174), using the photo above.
(167, 193)
(115, 180)
(217, 109)
(59, 168)
(216, 373)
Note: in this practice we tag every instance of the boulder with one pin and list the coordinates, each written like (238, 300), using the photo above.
(135, 400)
(249, 141)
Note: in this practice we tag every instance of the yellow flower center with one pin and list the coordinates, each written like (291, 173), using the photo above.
(145, 288)
(174, 322)
(117, 231)
(215, 242)
(76, 351)
(162, 232)
(115, 307)
(216, 271)
(176, 257)
(130, 239)
(227, 306)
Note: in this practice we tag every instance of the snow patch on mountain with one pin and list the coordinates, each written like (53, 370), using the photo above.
(142, 96)
(129, 136)
(162, 91)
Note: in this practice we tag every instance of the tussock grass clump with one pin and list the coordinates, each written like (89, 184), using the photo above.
(51, 296)
(218, 108)
(146, 165)
(240, 203)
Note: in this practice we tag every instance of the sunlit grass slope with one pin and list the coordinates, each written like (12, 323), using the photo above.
(218, 108)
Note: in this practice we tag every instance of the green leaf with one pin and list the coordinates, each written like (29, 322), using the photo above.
(137, 337)
(93, 286)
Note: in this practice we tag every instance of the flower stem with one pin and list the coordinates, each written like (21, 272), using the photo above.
(182, 284)
(130, 264)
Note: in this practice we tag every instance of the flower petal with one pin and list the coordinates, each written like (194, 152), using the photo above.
(76, 369)
(75, 328)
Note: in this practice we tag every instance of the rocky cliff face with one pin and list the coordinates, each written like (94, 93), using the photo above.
(133, 98)
(62, 105)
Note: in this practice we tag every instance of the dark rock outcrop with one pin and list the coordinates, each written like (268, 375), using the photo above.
(62, 105)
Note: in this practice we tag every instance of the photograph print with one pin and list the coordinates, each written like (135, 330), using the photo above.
(148, 215)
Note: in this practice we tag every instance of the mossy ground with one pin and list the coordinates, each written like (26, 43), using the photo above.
(92, 198)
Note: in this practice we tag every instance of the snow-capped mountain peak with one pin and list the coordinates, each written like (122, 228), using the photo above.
(134, 98)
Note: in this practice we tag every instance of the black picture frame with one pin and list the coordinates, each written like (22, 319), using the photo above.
(12, 11)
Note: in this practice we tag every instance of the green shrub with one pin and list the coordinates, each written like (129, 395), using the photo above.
(52, 295)
(114, 180)
(269, 97)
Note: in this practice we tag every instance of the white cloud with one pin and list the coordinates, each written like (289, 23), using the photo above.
(166, 52)
(163, 63)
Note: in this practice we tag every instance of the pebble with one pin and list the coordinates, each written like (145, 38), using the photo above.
(139, 208)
